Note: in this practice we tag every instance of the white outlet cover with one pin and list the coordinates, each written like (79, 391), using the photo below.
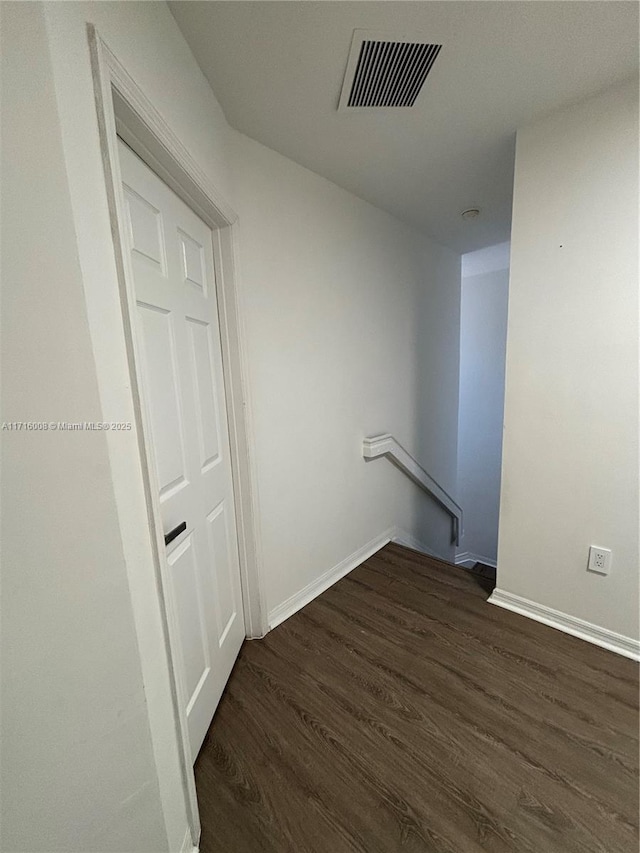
(599, 560)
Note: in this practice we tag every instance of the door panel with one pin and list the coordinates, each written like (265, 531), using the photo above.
(205, 395)
(193, 636)
(178, 346)
(145, 228)
(160, 376)
(218, 539)
(192, 260)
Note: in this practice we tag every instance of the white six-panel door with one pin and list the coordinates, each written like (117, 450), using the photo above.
(178, 347)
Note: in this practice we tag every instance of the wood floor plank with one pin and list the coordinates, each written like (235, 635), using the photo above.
(542, 682)
(494, 720)
(429, 749)
(438, 589)
(401, 712)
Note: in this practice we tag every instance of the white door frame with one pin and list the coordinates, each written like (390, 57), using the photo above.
(123, 110)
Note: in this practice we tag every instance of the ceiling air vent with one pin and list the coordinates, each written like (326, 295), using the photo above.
(384, 71)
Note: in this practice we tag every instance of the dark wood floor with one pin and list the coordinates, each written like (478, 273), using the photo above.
(401, 712)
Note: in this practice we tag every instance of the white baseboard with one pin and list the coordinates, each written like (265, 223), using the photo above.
(297, 601)
(318, 586)
(617, 643)
(470, 557)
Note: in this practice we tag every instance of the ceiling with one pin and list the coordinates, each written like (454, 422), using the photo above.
(277, 70)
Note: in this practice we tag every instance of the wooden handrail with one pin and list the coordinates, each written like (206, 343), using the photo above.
(386, 445)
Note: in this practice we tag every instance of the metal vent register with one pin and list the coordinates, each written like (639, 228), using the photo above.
(386, 73)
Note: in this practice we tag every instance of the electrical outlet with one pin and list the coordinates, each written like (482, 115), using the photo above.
(599, 560)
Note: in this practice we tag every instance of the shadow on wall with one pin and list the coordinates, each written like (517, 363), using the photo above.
(434, 443)
(483, 336)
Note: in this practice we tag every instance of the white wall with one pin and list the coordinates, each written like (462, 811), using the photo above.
(570, 459)
(337, 297)
(483, 335)
(78, 771)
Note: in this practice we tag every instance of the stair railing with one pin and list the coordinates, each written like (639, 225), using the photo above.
(386, 445)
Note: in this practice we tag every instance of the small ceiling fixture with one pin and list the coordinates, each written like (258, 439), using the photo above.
(470, 213)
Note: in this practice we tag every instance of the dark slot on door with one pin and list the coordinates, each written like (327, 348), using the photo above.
(171, 535)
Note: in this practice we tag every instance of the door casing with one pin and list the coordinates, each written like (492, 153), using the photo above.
(123, 110)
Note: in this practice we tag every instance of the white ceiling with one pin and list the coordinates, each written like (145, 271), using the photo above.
(277, 70)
